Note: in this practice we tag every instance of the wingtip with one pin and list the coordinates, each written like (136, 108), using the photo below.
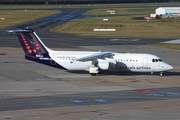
(20, 30)
(9, 31)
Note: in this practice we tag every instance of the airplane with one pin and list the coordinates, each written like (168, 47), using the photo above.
(94, 62)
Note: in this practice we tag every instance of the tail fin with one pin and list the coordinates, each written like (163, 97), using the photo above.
(34, 48)
(30, 42)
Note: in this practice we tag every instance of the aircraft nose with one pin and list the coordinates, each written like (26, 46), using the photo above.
(166, 67)
(169, 67)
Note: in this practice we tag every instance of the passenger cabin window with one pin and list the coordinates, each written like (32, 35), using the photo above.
(127, 60)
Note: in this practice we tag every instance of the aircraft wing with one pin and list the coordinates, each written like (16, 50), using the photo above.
(95, 56)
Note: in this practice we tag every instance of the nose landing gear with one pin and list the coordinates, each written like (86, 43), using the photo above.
(161, 74)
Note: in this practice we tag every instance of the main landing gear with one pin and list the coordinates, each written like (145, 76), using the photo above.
(93, 74)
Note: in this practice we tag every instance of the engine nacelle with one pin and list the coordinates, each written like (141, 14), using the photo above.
(112, 63)
(103, 64)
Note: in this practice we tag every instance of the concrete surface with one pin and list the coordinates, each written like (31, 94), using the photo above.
(25, 80)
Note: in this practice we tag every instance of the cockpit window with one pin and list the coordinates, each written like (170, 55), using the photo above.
(160, 60)
(156, 60)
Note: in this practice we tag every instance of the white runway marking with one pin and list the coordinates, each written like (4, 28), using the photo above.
(136, 39)
(173, 41)
(112, 40)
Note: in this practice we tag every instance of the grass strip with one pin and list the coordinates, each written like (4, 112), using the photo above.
(14, 17)
(126, 26)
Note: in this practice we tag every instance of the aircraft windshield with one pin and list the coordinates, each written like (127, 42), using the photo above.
(160, 60)
(156, 60)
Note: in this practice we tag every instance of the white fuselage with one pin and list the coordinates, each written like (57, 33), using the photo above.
(134, 62)
(94, 62)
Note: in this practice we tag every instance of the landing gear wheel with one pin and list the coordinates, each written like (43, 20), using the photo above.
(161, 74)
(93, 74)
(100, 73)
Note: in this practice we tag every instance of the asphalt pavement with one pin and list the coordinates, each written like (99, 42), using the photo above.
(22, 86)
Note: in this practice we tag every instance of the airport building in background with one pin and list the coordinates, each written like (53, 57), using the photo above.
(167, 10)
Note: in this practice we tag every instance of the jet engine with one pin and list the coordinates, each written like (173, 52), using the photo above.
(103, 64)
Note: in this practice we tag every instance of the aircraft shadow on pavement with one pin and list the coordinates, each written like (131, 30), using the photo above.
(127, 73)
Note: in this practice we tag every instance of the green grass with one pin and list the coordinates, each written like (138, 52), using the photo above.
(15, 17)
(121, 11)
(124, 25)
(171, 46)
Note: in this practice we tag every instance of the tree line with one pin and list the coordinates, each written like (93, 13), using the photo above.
(80, 1)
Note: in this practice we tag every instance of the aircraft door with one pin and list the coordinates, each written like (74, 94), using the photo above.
(159, 65)
(53, 59)
(145, 62)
